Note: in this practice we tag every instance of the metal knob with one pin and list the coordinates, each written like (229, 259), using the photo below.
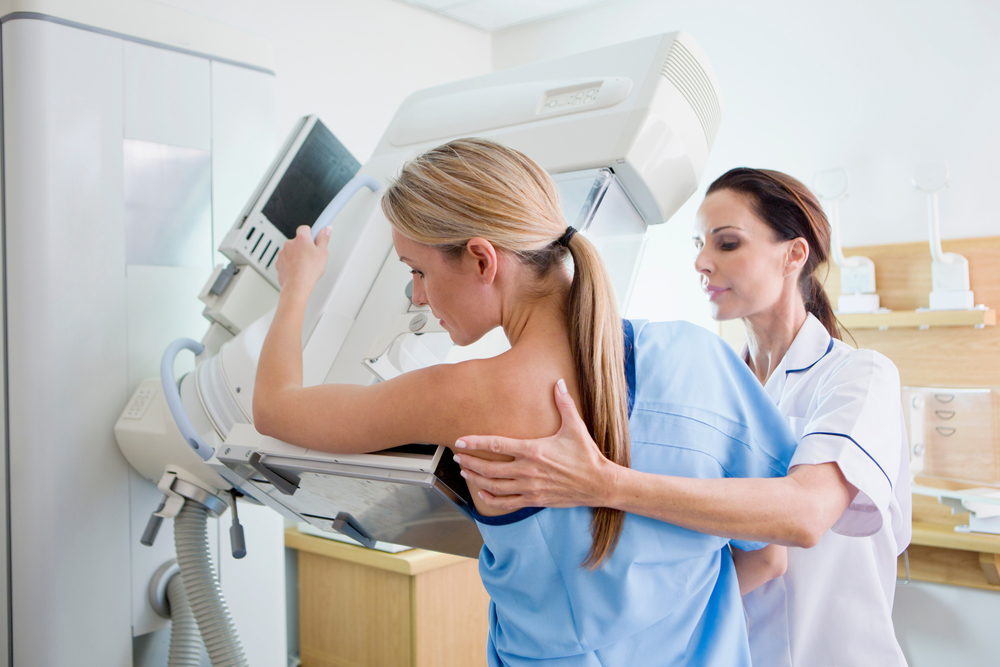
(418, 322)
(152, 527)
(236, 539)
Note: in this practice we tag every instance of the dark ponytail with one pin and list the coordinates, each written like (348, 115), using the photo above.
(818, 303)
(788, 207)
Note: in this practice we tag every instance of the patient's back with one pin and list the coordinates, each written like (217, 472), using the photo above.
(512, 395)
(666, 595)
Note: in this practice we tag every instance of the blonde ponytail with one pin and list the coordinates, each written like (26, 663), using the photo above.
(597, 342)
(471, 188)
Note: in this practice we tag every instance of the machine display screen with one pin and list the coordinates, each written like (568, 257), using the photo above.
(316, 174)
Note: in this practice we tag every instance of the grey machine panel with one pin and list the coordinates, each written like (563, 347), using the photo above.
(415, 509)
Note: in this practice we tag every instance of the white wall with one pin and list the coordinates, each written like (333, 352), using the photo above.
(352, 61)
(875, 87)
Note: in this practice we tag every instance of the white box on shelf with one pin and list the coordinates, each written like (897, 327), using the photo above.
(857, 303)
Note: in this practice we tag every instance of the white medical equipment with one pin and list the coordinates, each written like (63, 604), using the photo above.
(949, 270)
(857, 273)
(311, 168)
(625, 130)
(129, 128)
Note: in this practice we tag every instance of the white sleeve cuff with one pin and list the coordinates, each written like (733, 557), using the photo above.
(869, 509)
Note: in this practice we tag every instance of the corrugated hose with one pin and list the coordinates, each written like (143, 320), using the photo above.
(203, 590)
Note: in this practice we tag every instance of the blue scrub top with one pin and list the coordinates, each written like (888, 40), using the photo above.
(667, 595)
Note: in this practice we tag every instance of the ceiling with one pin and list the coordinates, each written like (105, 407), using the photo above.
(493, 15)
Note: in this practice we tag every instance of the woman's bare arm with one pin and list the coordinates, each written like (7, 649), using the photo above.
(427, 405)
(567, 470)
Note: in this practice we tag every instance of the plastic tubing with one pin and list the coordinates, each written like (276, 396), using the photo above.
(836, 250)
(934, 223)
(203, 591)
(173, 395)
(185, 640)
(344, 196)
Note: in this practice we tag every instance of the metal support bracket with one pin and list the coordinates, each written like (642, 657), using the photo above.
(906, 566)
(348, 525)
(287, 483)
(222, 281)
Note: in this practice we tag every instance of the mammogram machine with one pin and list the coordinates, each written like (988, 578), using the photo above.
(624, 130)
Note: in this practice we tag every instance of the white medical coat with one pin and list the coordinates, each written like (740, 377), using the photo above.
(833, 606)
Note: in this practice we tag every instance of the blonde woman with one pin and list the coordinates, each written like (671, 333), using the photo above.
(480, 225)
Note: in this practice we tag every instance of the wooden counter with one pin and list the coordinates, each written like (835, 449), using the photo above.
(361, 608)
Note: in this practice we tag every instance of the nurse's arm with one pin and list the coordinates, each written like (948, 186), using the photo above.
(567, 470)
(792, 511)
(756, 568)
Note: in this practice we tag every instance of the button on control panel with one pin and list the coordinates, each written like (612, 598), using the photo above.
(140, 403)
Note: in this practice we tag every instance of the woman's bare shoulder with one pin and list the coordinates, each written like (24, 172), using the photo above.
(509, 394)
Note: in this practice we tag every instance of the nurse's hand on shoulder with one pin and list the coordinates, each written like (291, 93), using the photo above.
(301, 261)
(563, 470)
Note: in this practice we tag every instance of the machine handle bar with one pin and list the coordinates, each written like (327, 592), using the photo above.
(172, 394)
(344, 196)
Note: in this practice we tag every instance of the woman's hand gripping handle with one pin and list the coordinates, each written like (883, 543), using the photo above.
(302, 261)
(563, 470)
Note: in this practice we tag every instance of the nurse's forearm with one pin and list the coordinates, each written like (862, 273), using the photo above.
(756, 568)
(793, 511)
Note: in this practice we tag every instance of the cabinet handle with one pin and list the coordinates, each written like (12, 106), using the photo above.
(945, 431)
(944, 414)
(945, 398)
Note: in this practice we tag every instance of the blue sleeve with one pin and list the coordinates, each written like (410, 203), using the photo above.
(747, 545)
(694, 393)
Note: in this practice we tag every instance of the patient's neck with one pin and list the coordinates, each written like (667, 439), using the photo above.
(535, 310)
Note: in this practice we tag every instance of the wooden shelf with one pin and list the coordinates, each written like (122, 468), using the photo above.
(912, 319)
(934, 526)
(940, 555)
(945, 537)
(953, 351)
(953, 567)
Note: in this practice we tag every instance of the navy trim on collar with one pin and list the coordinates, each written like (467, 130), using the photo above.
(842, 435)
(629, 363)
(799, 370)
(505, 519)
